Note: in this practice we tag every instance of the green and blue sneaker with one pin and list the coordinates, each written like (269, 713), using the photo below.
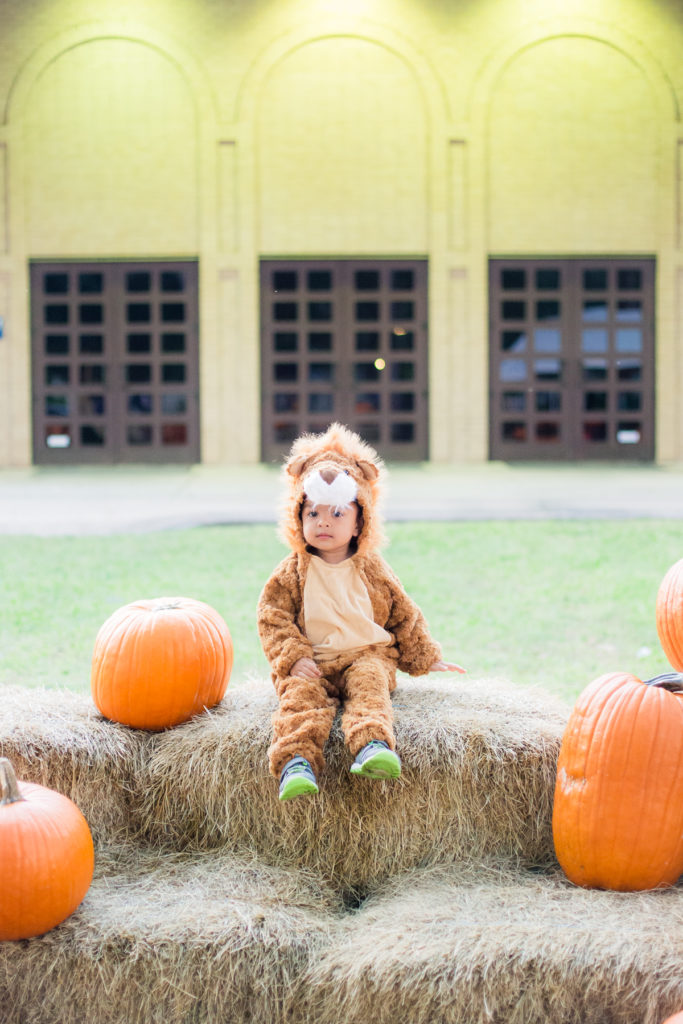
(377, 761)
(297, 777)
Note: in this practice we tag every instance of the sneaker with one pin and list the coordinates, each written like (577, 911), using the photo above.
(297, 777)
(377, 761)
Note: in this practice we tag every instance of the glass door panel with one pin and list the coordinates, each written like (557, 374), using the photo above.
(572, 359)
(115, 362)
(345, 340)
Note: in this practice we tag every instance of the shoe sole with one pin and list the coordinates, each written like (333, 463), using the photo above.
(383, 765)
(298, 787)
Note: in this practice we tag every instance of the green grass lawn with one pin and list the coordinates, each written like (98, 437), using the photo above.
(551, 604)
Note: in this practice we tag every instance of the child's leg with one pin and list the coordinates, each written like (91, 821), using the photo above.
(302, 722)
(368, 714)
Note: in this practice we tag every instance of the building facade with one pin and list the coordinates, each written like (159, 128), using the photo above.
(456, 226)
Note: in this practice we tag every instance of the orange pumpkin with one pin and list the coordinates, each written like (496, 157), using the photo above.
(46, 857)
(669, 615)
(158, 662)
(618, 808)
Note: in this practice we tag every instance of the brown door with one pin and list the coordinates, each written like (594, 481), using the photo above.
(571, 359)
(115, 362)
(347, 341)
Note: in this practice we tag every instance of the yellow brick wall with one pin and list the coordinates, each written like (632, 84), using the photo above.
(451, 131)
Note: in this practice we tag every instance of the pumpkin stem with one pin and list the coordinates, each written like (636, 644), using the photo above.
(671, 681)
(9, 787)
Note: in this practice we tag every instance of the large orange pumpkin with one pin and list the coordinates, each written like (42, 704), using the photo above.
(618, 809)
(46, 857)
(158, 662)
(669, 615)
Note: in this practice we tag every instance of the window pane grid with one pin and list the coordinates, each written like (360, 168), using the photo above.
(351, 354)
(571, 358)
(115, 378)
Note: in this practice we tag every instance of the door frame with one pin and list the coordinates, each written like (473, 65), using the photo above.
(593, 419)
(377, 386)
(167, 422)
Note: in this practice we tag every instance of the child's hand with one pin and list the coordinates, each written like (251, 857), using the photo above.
(305, 667)
(446, 666)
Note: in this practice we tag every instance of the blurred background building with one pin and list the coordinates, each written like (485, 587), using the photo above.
(455, 225)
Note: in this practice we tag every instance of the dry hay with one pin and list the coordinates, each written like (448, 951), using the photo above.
(478, 775)
(57, 738)
(482, 944)
(171, 940)
(479, 768)
(209, 937)
(277, 927)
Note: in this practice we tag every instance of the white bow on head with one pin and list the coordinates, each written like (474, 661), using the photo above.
(339, 494)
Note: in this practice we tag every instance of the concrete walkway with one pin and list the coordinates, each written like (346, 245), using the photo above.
(103, 500)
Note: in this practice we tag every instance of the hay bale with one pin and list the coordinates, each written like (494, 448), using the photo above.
(479, 768)
(478, 777)
(487, 943)
(169, 940)
(57, 738)
(248, 910)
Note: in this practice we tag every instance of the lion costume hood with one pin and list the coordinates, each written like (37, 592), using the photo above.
(333, 468)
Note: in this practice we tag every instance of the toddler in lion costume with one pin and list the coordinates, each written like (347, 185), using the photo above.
(334, 621)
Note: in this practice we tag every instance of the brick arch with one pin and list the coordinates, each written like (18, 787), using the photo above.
(431, 88)
(572, 150)
(53, 48)
(351, 113)
(26, 164)
(562, 27)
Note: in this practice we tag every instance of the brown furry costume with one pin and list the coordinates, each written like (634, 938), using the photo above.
(361, 681)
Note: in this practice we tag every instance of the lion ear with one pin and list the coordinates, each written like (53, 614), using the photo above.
(295, 466)
(368, 469)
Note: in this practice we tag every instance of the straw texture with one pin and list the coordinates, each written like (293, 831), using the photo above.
(204, 938)
(478, 778)
(489, 943)
(57, 738)
(160, 940)
(435, 898)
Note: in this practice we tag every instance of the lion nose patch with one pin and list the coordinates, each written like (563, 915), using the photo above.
(327, 487)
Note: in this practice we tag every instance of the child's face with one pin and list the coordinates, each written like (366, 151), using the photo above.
(330, 530)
